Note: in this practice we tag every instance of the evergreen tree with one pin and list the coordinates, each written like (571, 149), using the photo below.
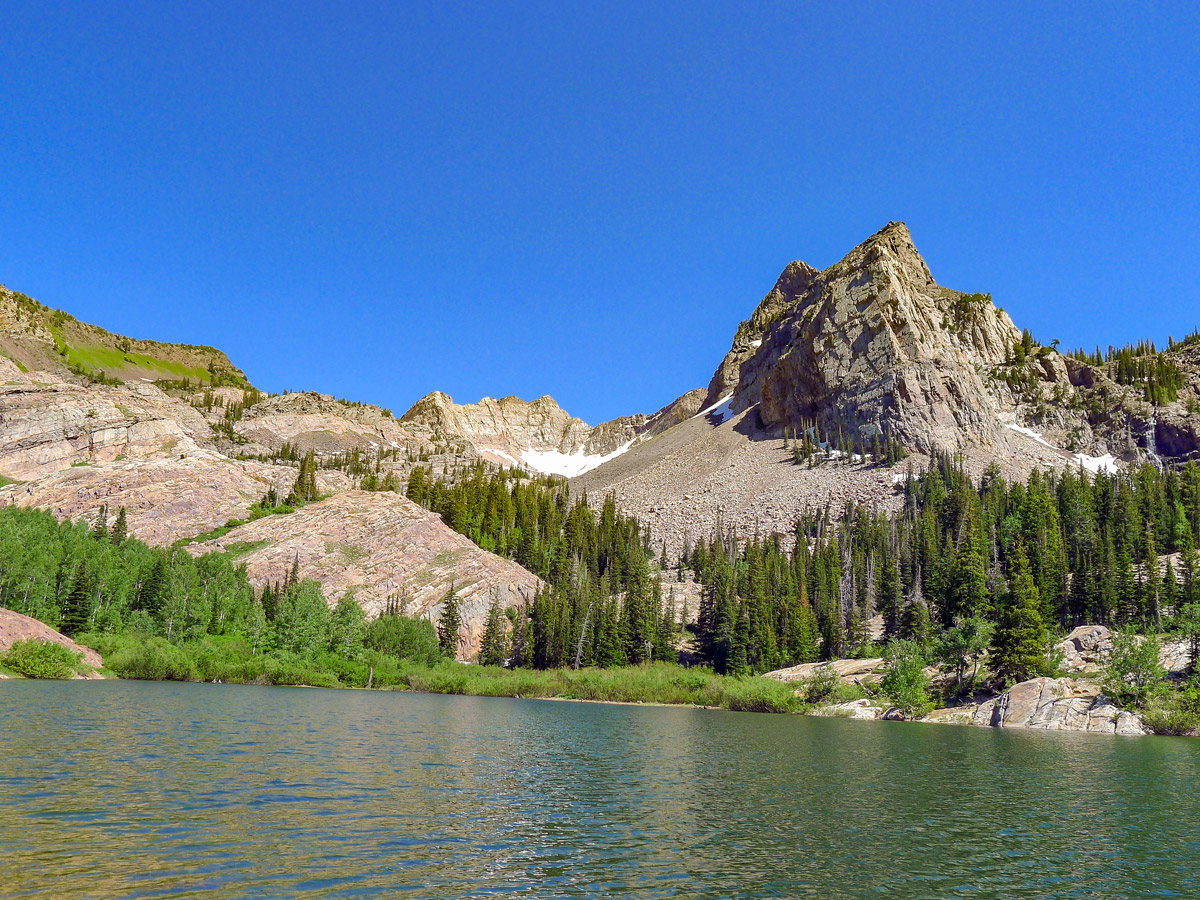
(494, 649)
(77, 610)
(1021, 642)
(120, 529)
(449, 624)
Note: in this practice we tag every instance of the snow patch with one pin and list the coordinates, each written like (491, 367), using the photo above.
(721, 410)
(569, 465)
(1029, 432)
(755, 344)
(1097, 464)
(1094, 464)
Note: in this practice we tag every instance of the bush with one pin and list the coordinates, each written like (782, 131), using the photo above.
(152, 659)
(41, 659)
(1175, 712)
(822, 686)
(404, 638)
(905, 684)
(1133, 672)
(1166, 717)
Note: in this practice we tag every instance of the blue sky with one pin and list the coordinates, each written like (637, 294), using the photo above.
(377, 201)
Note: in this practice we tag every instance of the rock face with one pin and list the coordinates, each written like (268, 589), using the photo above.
(1086, 649)
(540, 435)
(1058, 704)
(854, 671)
(372, 546)
(872, 345)
(166, 499)
(48, 423)
(322, 424)
(16, 627)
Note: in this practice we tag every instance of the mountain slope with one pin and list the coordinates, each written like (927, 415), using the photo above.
(373, 546)
(38, 337)
(871, 346)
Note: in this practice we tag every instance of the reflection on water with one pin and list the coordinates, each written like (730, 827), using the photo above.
(127, 789)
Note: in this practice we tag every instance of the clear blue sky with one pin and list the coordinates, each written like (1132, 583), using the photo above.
(379, 200)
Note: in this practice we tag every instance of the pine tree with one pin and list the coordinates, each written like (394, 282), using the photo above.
(77, 610)
(494, 648)
(449, 624)
(120, 529)
(1020, 642)
(100, 529)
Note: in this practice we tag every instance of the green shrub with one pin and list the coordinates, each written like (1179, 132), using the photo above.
(41, 659)
(1165, 717)
(153, 659)
(822, 686)
(1133, 673)
(404, 638)
(905, 684)
(1175, 712)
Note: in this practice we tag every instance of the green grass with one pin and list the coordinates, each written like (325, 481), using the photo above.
(110, 360)
(661, 683)
(5, 481)
(231, 660)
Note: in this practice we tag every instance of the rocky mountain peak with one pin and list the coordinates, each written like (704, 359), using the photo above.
(870, 346)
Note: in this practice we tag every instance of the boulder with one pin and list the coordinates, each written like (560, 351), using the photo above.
(854, 671)
(1086, 649)
(854, 709)
(1057, 704)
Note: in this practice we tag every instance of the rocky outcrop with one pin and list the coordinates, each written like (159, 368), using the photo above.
(166, 499)
(540, 435)
(17, 627)
(1086, 649)
(320, 423)
(48, 424)
(1057, 704)
(38, 337)
(509, 424)
(372, 546)
(852, 671)
(872, 345)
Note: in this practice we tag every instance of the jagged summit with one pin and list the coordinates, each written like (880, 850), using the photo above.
(540, 434)
(870, 346)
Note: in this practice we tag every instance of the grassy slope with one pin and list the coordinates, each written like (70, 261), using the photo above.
(91, 349)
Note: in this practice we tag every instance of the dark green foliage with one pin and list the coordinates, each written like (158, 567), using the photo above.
(305, 488)
(602, 605)
(1021, 641)
(494, 648)
(449, 626)
(1086, 550)
(1141, 365)
(405, 638)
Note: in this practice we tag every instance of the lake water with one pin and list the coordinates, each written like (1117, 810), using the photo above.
(126, 789)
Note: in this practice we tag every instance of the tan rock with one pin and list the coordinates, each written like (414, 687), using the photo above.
(166, 499)
(1057, 704)
(855, 671)
(872, 345)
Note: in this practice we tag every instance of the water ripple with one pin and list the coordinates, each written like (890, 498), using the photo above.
(134, 790)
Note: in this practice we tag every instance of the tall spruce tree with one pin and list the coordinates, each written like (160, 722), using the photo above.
(449, 624)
